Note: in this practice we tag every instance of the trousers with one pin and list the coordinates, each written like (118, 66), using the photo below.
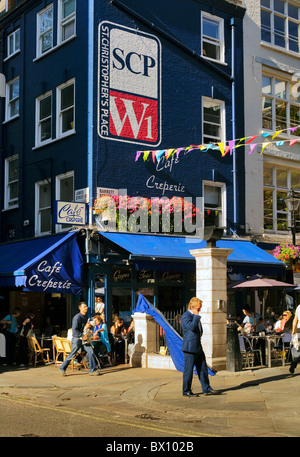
(198, 360)
(76, 346)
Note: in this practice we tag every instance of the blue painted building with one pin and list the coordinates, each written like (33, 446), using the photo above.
(92, 85)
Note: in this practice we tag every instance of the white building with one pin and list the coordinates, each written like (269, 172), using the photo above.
(272, 104)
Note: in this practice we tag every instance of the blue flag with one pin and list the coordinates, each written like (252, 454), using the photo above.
(174, 340)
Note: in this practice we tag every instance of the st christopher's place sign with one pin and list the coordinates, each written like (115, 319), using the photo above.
(129, 85)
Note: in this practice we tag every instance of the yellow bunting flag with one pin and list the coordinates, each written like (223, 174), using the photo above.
(264, 145)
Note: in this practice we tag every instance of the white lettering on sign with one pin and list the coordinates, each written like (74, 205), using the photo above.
(44, 284)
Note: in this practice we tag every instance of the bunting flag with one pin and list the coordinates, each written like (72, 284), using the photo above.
(224, 147)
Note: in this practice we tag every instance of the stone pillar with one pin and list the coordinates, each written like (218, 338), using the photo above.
(211, 288)
(145, 339)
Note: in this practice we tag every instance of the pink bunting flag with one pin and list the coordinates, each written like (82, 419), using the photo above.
(293, 142)
(178, 151)
(231, 145)
(137, 155)
(252, 147)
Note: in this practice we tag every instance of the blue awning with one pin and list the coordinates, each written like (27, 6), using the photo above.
(49, 264)
(163, 252)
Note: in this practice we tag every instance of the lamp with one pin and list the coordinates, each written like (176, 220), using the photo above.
(292, 202)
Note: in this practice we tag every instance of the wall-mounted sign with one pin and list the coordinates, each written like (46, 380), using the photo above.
(82, 195)
(129, 85)
(106, 191)
(70, 213)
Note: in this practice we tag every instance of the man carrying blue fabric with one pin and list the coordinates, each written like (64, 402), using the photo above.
(78, 324)
(192, 350)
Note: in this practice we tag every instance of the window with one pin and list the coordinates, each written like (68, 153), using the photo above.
(278, 180)
(67, 15)
(213, 121)
(214, 203)
(280, 23)
(66, 108)
(280, 104)
(13, 43)
(44, 118)
(212, 37)
(65, 191)
(11, 182)
(12, 99)
(43, 208)
(45, 30)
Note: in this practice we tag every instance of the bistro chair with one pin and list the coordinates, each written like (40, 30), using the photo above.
(67, 350)
(59, 349)
(248, 352)
(37, 351)
(244, 353)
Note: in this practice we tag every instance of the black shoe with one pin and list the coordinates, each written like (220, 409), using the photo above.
(190, 394)
(292, 367)
(212, 392)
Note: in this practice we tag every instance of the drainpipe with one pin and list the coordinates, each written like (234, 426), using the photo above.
(234, 173)
(90, 70)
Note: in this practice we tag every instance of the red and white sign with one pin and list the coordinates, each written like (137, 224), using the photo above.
(129, 85)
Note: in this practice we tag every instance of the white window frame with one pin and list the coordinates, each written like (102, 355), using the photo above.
(274, 188)
(11, 39)
(287, 100)
(210, 40)
(223, 208)
(39, 51)
(8, 100)
(62, 22)
(60, 111)
(222, 125)
(38, 139)
(8, 202)
(286, 18)
(38, 210)
(58, 179)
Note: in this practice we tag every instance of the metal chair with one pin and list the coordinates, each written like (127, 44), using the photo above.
(244, 352)
(37, 351)
(254, 352)
(248, 352)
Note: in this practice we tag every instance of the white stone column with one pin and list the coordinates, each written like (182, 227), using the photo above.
(145, 339)
(211, 288)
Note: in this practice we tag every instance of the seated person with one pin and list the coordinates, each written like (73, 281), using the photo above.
(119, 331)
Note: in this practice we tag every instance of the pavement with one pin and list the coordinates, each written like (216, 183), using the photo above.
(258, 402)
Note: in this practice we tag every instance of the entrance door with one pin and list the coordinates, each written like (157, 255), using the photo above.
(171, 302)
(121, 304)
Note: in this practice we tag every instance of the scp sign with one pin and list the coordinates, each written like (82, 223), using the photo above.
(129, 85)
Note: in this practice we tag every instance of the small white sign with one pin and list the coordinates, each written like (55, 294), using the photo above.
(72, 213)
(82, 195)
(106, 191)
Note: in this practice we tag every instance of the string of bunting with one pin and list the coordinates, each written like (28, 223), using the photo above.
(223, 147)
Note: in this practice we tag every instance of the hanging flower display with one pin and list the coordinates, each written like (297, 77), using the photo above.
(144, 214)
(286, 252)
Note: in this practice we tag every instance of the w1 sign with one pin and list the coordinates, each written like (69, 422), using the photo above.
(129, 85)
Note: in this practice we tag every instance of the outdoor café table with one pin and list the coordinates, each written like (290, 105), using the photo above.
(47, 338)
(269, 338)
